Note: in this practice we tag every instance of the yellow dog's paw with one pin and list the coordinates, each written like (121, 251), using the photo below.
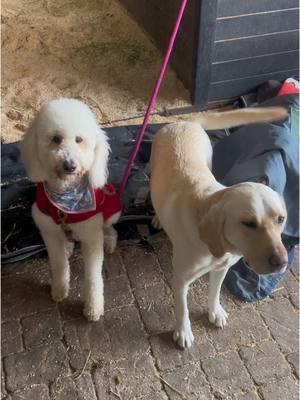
(184, 337)
(218, 316)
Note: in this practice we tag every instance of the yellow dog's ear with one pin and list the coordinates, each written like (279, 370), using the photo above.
(98, 171)
(30, 155)
(211, 229)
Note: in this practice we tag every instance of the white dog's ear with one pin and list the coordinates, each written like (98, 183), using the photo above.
(211, 229)
(98, 171)
(29, 155)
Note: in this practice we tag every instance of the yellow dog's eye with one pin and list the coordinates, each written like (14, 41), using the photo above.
(250, 224)
(57, 139)
(78, 139)
(280, 219)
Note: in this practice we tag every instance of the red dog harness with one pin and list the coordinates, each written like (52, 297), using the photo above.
(107, 203)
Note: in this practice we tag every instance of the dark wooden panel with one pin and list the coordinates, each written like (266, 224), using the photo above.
(254, 66)
(256, 46)
(258, 24)
(204, 50)
(157, 18)
(238, 36)
(184, 53)
(237, 7)
(233, 89)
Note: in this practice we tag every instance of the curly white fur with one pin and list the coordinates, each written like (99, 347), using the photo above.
(64, 131)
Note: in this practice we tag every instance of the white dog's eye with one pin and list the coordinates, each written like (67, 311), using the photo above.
(250, 224)
(78, 139)
(280, 220)
(57, 139)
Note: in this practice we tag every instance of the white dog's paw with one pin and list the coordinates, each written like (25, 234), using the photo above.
(155, 222)
(184, 337)
(59, 292)
(93, 312)
(110, 244)
(218, 316)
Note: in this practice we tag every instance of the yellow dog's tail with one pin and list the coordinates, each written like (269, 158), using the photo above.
(229, 119)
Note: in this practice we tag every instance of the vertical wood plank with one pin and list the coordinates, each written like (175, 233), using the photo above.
(204, 53)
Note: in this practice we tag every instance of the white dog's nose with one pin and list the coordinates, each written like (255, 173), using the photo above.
(69, 166)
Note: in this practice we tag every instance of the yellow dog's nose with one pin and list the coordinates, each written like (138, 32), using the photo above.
(279, 260)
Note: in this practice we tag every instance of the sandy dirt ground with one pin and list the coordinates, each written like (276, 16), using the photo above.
(90, 50)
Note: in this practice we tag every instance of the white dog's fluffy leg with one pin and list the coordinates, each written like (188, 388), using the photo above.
(217, 314)
(183, 333)
(92, 250)
(69, 248)
(58, 252)
(60, 268)
(110, 239)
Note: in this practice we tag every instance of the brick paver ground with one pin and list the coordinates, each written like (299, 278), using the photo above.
(50, 351)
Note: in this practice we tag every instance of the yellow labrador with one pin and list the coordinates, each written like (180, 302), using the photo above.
(212, 226)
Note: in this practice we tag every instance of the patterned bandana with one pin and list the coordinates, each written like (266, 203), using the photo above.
(79, 200)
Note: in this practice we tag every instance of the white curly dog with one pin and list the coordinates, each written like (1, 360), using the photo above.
(66, 152)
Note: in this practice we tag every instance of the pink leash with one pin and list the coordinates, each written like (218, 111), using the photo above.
(152, 100)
